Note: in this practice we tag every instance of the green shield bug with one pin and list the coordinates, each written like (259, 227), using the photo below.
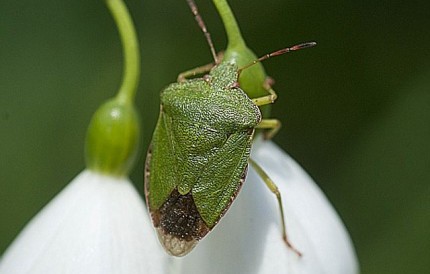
(200, 149)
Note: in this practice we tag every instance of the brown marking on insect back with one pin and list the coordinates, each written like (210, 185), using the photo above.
(178, 217)
(178, 224)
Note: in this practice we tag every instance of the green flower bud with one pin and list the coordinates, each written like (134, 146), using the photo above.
(113, 134)
(113, 138)
(251, 79)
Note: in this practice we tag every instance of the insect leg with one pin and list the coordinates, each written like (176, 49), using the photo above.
(195, 71)
(274, 189)
(272, 124)
(265, 100)
(268, 99)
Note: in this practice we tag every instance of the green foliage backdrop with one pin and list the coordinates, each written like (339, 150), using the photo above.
(355, 109)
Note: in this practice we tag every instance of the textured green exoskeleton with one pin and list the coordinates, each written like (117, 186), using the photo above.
(201, 146)
(198, 156)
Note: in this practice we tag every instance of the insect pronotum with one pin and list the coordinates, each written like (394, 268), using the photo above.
(200, 149)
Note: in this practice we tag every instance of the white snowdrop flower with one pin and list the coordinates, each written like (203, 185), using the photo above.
(97, 224)
(248, 239)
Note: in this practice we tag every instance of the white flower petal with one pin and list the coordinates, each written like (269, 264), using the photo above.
(97, 224)
(248, 239)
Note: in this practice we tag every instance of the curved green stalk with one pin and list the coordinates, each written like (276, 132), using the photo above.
(235, 38)
(131, 72)
(252, 79)
(114, 132)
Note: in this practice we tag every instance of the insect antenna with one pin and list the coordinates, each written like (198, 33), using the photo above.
(279, 52)
(202, 26)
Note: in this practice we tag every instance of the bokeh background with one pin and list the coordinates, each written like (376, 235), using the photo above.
(355, 109)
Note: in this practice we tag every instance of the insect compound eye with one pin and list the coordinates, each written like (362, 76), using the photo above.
(234, 85)
(249, 131)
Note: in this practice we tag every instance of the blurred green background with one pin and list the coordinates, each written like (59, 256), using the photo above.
(355, 109)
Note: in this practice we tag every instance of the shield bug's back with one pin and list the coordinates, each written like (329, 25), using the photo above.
(198, 157)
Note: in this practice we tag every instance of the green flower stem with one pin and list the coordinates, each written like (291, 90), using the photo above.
(114, 132)
(130, 45)
(235, 38)
(252, 79)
